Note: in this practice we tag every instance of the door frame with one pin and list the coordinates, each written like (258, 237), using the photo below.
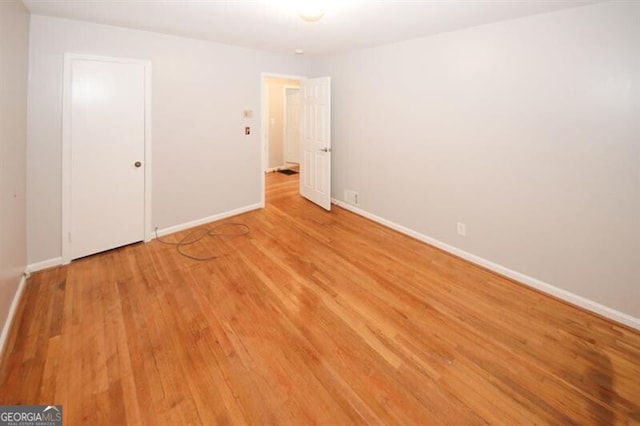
(66, 144)
(285, 105)
(264, 123)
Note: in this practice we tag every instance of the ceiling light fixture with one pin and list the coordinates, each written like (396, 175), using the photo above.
(312, 10)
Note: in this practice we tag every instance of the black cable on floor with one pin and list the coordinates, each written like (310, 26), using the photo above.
(202, 233)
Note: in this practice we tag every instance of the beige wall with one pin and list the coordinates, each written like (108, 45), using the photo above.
(14, 47)
(527, 131)
(275, 119)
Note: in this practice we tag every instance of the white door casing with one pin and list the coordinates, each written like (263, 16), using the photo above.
(292, 125)
(315, 167)
(106, 154)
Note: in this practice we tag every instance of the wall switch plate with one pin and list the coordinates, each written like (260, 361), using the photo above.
(462, 229)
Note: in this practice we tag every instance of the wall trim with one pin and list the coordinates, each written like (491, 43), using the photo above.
(45, 264)
(274, 169)
(13, 310)
(198, 222)
(57, 261)
(544, 287)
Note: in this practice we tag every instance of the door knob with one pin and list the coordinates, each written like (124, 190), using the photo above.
(326, 150)
(137, 164)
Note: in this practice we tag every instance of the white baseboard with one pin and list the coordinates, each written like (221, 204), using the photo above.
(57, 261)
(6, 328)
(198, 222)
(275, 169)
(565, 295)
(45, 264)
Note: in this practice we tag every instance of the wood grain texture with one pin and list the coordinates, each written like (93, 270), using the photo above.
(312, 318)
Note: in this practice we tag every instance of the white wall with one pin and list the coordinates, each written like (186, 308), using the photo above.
(14, 45)
(526, 130)
(203, 164)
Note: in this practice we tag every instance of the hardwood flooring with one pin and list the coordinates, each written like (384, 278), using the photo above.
(311, 318)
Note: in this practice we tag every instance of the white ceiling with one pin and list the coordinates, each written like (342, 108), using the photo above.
(275, 26)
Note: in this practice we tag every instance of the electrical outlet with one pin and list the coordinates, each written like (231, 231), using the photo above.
(351, 197)
(462, 229)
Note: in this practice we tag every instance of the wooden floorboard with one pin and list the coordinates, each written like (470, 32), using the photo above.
(311, 318)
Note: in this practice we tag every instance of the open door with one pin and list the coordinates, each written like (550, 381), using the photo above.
(315, 167)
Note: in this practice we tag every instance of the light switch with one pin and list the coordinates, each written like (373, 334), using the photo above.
(247, 130)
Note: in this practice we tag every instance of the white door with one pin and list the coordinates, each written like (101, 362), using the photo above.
(105, 139)
(315, 168)
(292, 126)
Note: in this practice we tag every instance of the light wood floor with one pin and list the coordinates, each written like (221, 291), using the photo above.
(312, 318)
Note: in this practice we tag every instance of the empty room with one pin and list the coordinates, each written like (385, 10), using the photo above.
(319, 212)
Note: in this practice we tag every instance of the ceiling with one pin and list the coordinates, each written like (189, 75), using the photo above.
(274, 25)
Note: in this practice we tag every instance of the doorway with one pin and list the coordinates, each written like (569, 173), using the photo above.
(313, 166)
(106, 154)
(282, 130)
